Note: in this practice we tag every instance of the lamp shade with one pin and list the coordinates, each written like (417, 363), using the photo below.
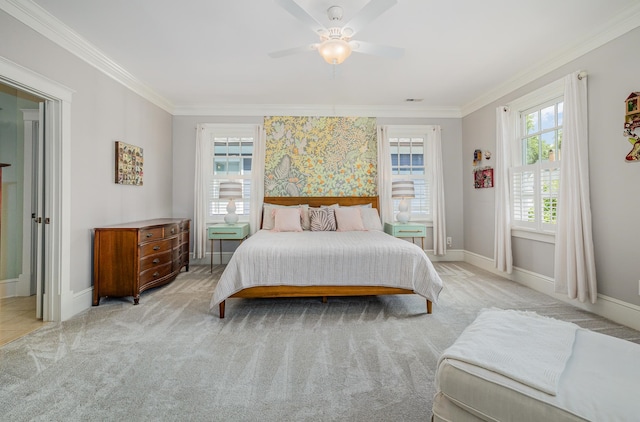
(334, 50)
(402, 189)
(230, 190)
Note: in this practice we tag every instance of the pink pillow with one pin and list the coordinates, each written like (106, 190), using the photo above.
(349, 219)
(287, 220)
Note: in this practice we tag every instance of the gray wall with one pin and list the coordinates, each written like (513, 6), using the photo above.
(613, 74)
(103, 111)
(184, 136)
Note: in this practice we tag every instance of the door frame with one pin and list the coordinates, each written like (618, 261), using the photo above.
(58, 297)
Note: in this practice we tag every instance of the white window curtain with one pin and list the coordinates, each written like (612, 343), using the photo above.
(502, 253)
(257, 178)
(575, 272)
(434, 157)
(384, 175)
(202, 170)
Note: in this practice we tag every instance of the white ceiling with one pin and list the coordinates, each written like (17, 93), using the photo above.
(458, 53)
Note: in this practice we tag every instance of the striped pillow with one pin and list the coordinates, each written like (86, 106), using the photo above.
(322, 219)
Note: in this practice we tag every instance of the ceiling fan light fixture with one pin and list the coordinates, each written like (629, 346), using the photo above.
(334, 50)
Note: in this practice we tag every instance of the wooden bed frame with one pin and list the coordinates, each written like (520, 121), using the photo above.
(319, 291)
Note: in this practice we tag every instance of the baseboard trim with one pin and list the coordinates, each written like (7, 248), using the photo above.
(616, 310)
(451, 255)
(78, 302)
(8, 288)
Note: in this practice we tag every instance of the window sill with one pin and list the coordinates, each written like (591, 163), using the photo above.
(545, 237)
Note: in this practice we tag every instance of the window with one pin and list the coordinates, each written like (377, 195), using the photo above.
(231, 158)
(535, 175)
(408, 148)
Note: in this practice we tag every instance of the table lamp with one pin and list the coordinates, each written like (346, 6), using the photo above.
(403, 189)
(230, 191)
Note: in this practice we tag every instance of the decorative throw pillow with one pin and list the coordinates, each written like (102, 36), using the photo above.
(371, 219)
(306, 220)
(322, 219)
(267, 215)
(287, 220)
(349, 219)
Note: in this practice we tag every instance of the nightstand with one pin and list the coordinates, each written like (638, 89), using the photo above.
(238, 231)
(411, 230)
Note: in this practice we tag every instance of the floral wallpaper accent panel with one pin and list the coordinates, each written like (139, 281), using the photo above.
(320, 156)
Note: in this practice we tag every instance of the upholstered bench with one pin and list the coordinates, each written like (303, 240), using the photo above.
(519, 366)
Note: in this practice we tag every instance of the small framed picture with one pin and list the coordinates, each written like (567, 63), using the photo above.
(129, 164)
(483, 178)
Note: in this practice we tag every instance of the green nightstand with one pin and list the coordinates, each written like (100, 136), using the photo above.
(411, 230)
(238, 231)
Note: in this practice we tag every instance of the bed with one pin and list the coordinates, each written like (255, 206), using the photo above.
(324, 264)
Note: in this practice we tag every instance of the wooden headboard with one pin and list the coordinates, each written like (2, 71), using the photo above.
(316, 201)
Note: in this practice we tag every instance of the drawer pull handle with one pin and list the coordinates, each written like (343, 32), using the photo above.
(156, 274)
(156, 261)
(409, 231)
(173, 231)
(155, 248)
(222, 233)
(149, 234)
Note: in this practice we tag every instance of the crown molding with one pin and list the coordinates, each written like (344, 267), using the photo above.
(19, 76)
(318, 110)
(38, 19)
(616, 27)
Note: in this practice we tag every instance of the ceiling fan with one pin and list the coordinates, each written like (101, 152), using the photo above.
(336, 43)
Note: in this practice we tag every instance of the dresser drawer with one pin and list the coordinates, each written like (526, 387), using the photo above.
(185, 226)
(155, 247)
(228, 231)
(152, 274)
(171, 230)
(155, 261)
(150, 234)
(406, 230)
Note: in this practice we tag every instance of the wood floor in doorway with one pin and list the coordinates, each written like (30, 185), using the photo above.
(17, 318)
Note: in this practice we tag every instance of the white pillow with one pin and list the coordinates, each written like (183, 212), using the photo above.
(371, 219)
(348, 219)
(287, 219)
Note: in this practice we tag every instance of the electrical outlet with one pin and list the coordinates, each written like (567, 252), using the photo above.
(449, 242)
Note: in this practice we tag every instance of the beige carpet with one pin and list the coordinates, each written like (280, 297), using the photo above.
(356, 359)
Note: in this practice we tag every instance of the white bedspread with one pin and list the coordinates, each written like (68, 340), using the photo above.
(368, 258)
(523, 346)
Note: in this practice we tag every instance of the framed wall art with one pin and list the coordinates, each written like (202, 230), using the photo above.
(483, 177)
(129, 164)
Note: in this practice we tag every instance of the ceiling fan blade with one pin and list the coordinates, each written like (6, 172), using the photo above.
(302, 15)
(294, 50)
(372, 10)
(377, 49)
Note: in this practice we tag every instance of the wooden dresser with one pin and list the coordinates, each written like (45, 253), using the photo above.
(131, 258)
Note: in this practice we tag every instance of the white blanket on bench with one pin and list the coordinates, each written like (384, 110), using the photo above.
(523, 346)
